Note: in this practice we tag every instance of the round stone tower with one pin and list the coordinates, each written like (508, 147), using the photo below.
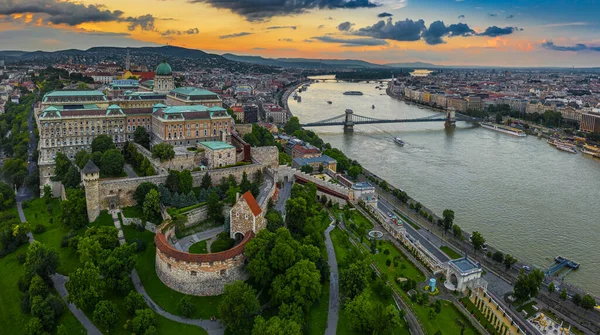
(163, 78)
(90, 174)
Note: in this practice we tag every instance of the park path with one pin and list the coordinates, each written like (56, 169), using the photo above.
(185, 243)
(334, 295)
(59, 284)
(212, 327)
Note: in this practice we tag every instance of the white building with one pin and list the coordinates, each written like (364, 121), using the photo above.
(460, 272)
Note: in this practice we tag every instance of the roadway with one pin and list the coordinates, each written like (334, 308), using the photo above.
(24, 193)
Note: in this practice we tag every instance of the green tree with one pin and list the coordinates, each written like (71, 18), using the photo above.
(300, 285)
(307, 169)
(117, 264)
(588, 302)
(354, 171)
(231, 195)
(172, 182)
(141, 137)
(477, 240)
(274, 220)
(163, 151)
(140, 192)
(62, 165)
(214, 207)
(102, 143)
(292, 125)
(47, 193)
(238, 307)
(112, 162)
(85, 286)
(499, 118)
(105, 315)
(275, 326)
(185, 182)
(151, 208)
(577, 299)
(144, 321)
(81, 158)
(73, 178)
(551, 288)
(35, 327)
(563, 294)
(448, 215)
(354, 279)
(206, 182)
(7, 196)
(245, 184)
(40, 260)
(133, 302)
(509, 261)
(76, 206)
(186, 306)
(457, 232)
(528, 285)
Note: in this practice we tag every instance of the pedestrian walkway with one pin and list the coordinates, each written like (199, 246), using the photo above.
(334, 294)
(185, 243)
(59, 282)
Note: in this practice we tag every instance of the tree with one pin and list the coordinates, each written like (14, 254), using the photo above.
(163, 151)
(354, 279)
(144, 321)
(76, 206)
(477, 240)
(111, 163)
(214, 207)
(588, 302)
(105, 315)
(151, 208)
(85, 287)
(185, 181)
(457, 232)
(133, 302)
(275, 326)
(38, 287)
(72, 179)
(354, 171)
(206, 182)
(551, 288)
(172, 182)
(292, 125)
(231, 194)
(141, 137)
(577, 299)
(498, 117)
(40, 260)
(7, 196)
(34, 327)
(509, 261)
(186, 306)
(42, 310)
(274, 220)
(245, 184)
(528, 285)
(62, 165)
(498, 256)
(300, 285)
(307, 169)
(140, 192)
(448, 215)
(81, 158)
(238, 307)
(102, 143)
(563, 294)
(116, 265)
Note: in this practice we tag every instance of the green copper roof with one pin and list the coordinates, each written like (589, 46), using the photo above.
(88, 93)
(164, 69)
(217, 145)
(192, 91)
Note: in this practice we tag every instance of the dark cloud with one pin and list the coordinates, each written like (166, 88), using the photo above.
(285, 40)
(191, 31)
(308, 41)
(321, 26)
(259, 49)
(345, 26)
(492, 15)
(384, 14)
(407, 30)
(59, 12)
(262, 10)
(510, 16)
(577, 47)
(461, 16)
(282, 27)
(494, 31)
(356, 42)
(244, 33)
(437, 30)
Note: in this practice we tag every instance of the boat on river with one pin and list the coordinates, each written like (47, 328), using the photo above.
(353, 93)
(566, 148)
(329, 102)
(591, 150)
(503, 129)
(399, 141)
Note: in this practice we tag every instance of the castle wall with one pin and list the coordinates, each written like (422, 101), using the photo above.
(195, 274)
(188, 161)
(268, 156)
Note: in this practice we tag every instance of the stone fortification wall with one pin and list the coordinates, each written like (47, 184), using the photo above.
(182, 161)
(291, 173)
(268, 156)
(199, 274)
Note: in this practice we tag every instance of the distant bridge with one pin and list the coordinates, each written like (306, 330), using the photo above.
(348, 120)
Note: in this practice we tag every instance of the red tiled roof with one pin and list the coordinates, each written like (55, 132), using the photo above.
(251, 201)
(144, 75)
(136, 111)
(161, 244)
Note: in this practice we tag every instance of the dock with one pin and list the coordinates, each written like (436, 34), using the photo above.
(560, 263)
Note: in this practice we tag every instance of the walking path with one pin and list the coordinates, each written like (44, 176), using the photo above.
(59, 284)
(185, 243)
(212, 327)
(334, 295)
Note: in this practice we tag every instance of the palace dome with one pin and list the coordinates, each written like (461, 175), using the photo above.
(164, 69)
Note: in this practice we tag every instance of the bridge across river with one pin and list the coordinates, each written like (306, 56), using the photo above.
(348, 120)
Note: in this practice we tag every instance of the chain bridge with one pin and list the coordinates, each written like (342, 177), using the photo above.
(348, 120)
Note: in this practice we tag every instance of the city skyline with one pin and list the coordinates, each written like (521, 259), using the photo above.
(461, 32)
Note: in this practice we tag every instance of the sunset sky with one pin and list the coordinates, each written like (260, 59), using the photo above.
(446, 32)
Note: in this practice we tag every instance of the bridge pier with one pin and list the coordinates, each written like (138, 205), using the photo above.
(349, 122)
(450, 118)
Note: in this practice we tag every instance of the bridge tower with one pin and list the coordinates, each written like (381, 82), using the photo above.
(450, 117)
(349, 122)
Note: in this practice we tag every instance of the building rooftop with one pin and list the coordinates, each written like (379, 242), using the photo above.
(90, 167)
(78, 94)
(217, 145)
(193, 93)
(362, 186)
(321, 159)
(251, 201)
(465, 265)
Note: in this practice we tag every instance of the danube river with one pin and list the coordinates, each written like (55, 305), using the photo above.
(524, 196)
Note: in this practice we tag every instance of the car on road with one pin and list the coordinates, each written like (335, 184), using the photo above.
(390, 214)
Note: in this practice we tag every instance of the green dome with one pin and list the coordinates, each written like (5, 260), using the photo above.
(164, 69)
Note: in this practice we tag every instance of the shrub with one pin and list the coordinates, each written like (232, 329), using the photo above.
(133, 302)
(21, 258)
(388, 262)
(140, 245)
(39, 228)
(186, 307)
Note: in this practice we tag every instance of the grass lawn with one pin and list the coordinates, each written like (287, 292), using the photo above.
(341, 245)
(104, 219)
(198, 248)
(446, 321)
(450, 252)
(13, 320)
(159, 292)
(132, 212)
(478, 315)
(317, 316)
(404, 269)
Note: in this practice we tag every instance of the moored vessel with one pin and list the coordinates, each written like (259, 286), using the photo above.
(591, 150)
(566, 148)
(503, 129)
(353, 93)
(399, 141)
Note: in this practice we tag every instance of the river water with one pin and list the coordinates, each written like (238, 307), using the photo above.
(525, 197)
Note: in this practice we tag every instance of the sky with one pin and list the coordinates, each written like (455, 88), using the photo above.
(447, 32)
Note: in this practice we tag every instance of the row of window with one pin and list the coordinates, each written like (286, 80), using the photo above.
(75, 123)
(189, 133)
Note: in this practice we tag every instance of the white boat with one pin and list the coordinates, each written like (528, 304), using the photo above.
(399, 141)
(568, 149)
(503, 129)
(591, 150)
